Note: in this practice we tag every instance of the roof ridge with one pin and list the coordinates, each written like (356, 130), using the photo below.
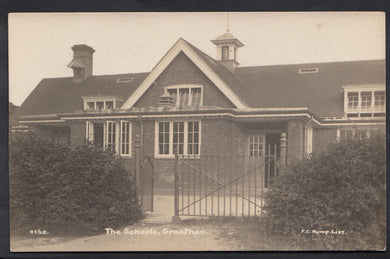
(196, 48)
(106, 75)
(314, 63)
(218, 66)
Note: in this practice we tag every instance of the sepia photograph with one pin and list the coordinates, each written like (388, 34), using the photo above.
(202, 131)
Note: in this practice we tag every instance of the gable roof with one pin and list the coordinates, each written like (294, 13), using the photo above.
(61, 95)
(199, 60)
(228, 77)
(281, 86)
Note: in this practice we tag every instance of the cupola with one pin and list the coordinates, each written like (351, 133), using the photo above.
(227, 46)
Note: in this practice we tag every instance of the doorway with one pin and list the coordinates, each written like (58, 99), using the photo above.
(272, 147)
(98, 135)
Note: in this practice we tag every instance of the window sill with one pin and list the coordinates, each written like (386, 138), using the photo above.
(180, 156)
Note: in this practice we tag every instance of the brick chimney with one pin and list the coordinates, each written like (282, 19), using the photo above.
(82, 62)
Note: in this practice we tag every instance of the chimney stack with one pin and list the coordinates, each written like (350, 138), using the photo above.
(82, 62)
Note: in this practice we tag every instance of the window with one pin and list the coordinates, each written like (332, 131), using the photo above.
(309, 140)
(100, 103)
(183, 97)
(125, 138)
(353, 100)
(178, 137)
(109, 104)
(193, 138)
(379, 105)
(256, 145)
(364, 101)
(183, 136)
(186, 96)
(90, 105)
(111, 136)
(225, 53)
(163, 138)
(348, 134)
(89, 132)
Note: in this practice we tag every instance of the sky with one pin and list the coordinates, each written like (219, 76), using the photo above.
(40, 43)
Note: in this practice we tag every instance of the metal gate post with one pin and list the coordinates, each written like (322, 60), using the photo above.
(176, 218)
(137, 145)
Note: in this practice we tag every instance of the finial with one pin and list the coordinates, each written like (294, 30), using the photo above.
(227, 25)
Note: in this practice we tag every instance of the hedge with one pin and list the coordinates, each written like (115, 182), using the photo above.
(342, 190)
(67, 188)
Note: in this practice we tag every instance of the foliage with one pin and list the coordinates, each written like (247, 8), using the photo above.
(342, 189)
(67, 189)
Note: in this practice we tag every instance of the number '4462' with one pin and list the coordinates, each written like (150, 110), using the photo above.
(38, 232)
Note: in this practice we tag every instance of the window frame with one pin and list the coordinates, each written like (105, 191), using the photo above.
(170, 154)
(121, 138)
(89, 131)
(106, 99)
(354, 130)
(106, 135)
(189, 87)
(90, 135)
(361, 91)
(253, 140)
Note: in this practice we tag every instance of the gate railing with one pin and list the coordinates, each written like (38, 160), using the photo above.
(221, 185)
(225, 185)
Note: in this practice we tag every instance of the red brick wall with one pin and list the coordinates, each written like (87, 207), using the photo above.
(77, 131)
(295, 138)
(218, 137)
(183, 71)
(322, 138)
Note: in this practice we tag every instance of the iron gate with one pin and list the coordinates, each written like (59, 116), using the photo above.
(221, 185)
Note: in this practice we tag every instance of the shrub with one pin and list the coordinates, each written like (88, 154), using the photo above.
(342, 189)
(67, 189)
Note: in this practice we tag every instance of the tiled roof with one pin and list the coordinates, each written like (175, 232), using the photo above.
(283, 87)
(60, 95)
(279, 86)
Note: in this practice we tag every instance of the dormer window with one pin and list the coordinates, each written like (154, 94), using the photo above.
(364, 101)
(101, 103)
(186, 95)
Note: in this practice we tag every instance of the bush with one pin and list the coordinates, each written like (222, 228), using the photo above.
(67, 189)
(341, 190)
